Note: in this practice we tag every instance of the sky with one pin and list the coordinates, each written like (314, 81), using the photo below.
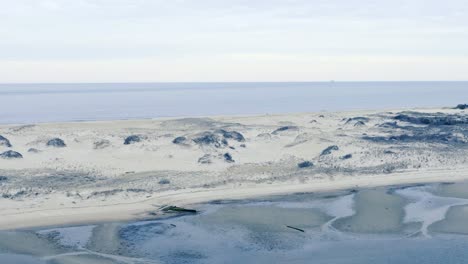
(232, 40)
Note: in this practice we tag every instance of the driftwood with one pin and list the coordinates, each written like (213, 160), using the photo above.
(178, 209)
(295, 228)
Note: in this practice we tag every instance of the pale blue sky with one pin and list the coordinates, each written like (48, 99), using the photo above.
(236, 40)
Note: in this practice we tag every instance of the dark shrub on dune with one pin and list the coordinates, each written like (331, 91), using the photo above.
(101, 144)
(305, 164)
(437, 119)
(208, 138)
(217, 139)
(285, 128)
(389, 125)
(357, 119)
(347, 156)
(33, 150)
(179, 140)
(56, 142)
(329, 150)
(10, 154)
(4, 142)
(231, 135)
(132, 139)
(228, 158)
(359, 124)
(205, 159)
(164, 181)
(443, 137)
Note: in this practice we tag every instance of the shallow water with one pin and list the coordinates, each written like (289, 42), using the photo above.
(34, 103)
(19, 259)
(380, 225)
(376, 211)
(455, 222)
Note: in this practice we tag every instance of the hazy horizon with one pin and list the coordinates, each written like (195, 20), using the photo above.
(224, 82)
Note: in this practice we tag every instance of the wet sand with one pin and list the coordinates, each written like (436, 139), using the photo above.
(369, 225)
(376, 212)
(455, 222)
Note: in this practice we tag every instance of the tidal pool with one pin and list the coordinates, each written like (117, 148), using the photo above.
(410, 224)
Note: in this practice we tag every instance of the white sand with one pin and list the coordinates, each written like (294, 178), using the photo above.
(80, 184)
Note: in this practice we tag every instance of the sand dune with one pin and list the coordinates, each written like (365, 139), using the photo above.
(101, 171)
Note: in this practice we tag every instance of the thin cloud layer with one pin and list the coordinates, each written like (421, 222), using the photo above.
(169, 40)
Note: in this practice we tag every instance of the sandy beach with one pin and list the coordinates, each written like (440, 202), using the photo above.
(88, 172)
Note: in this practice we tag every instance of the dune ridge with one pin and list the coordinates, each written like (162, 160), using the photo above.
(84, 172)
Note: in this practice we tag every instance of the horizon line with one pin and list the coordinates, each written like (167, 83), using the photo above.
(214, 82)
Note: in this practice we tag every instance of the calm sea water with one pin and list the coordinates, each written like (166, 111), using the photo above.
(34, 103)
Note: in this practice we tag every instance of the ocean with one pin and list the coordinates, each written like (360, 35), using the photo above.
(39, 103)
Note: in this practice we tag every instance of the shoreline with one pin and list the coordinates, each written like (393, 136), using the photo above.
(139, 210)
(229, 116)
